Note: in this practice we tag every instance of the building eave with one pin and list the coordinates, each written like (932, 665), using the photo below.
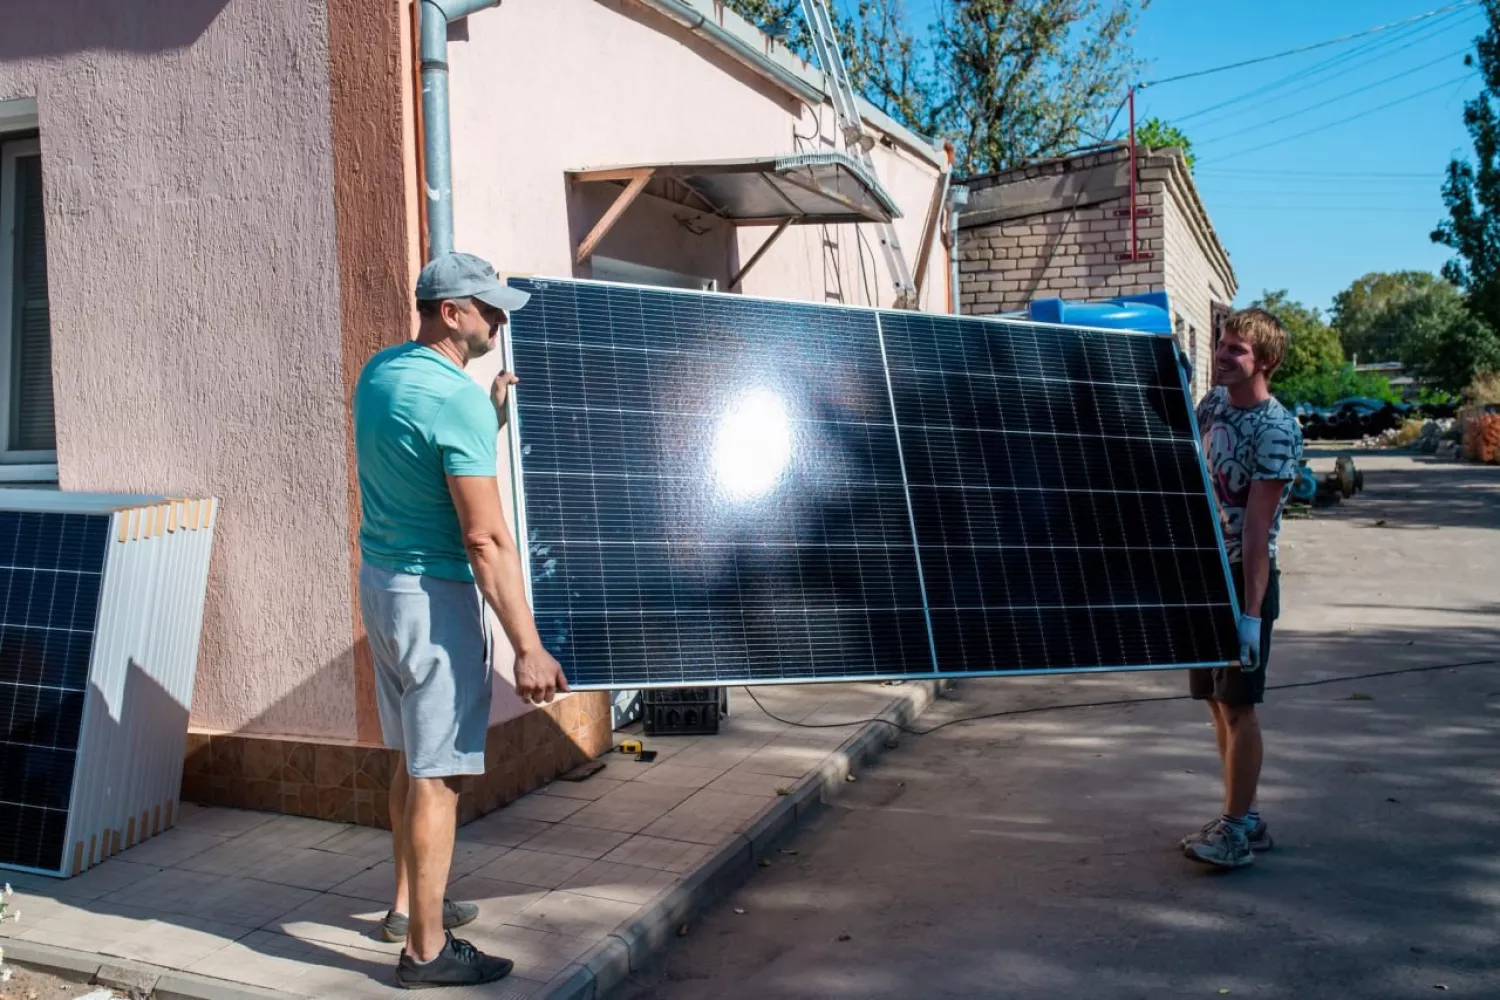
(774, 62)
(1180, 178)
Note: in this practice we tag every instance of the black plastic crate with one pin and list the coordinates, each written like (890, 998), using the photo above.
(682, 711)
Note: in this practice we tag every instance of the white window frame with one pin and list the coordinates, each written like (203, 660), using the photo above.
(15, 466)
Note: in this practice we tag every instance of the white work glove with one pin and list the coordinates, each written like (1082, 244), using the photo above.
(1249, 643)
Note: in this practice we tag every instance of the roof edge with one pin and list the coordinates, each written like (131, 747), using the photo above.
(1198, 217)
(1178, 178)
(743, 41)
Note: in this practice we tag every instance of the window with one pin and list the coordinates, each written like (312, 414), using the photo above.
(1220, 315)
(28, 434)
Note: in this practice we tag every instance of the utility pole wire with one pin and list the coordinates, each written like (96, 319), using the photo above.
(1328, 125)
(1308, 48)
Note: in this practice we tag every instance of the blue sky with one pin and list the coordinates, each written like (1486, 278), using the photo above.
(1310, 213)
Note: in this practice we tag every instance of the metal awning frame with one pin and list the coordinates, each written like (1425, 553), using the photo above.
(673, 176)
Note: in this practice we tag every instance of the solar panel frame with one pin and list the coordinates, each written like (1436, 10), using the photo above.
(515, 449)
(75, 558)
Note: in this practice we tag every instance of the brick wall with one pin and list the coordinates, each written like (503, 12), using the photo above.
(1057, 228)
(1197, 272)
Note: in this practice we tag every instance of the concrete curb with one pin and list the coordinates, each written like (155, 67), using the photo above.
(638, 942)
(152, 981)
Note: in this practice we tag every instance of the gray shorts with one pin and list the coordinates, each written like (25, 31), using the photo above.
(430, 642)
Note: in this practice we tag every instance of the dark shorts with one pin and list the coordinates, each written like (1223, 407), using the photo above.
(1231, 685)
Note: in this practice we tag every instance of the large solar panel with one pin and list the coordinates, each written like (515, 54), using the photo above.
(717, 489)
(713, 490)
(50, 569)
(1058, 496)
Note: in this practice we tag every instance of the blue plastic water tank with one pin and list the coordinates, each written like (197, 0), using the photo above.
(1146, 313)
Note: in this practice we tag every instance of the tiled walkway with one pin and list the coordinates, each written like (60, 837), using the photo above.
(292, 904)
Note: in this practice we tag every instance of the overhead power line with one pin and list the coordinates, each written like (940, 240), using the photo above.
(1361, 209)
(1345, 61)
(1309, 48)
(1343, 121)
(1358, 91)
(1337, 175)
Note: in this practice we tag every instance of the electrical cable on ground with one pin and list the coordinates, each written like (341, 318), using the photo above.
(1308, 48)
(1343, 679)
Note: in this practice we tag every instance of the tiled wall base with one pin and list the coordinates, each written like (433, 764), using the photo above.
(349, 783)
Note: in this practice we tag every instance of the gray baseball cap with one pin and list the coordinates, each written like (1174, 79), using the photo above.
(462, 275)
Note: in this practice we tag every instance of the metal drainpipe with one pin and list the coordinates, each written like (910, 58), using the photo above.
(437, 159)
(958, 197)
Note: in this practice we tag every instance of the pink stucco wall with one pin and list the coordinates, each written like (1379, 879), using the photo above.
(544, 86)
(186, 152)
(191, 171)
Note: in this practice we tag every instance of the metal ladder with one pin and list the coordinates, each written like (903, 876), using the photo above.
(857, 142)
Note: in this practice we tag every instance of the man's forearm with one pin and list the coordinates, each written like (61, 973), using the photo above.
(1257, 565)
(497, 572)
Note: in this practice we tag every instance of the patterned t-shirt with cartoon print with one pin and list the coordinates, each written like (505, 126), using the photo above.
(1243, 444)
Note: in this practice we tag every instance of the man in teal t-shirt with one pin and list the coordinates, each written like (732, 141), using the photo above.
(435, 551)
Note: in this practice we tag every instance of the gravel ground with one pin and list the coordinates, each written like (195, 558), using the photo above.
(26, 984)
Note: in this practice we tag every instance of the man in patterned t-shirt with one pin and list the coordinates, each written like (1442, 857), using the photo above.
(1252, 446)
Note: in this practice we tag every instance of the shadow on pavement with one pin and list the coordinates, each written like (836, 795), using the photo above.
(1033, 856)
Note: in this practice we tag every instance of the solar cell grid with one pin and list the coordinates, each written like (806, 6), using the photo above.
(50, 571)
(1060, 510)
(713, 488)
(719, 489)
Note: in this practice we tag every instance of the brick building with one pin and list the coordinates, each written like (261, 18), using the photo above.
(1061, 228)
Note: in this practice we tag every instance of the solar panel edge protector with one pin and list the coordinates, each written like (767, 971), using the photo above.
(521, 502)
(94, 774)
(91, 800)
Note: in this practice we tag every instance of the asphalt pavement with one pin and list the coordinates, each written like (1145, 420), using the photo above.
(1033, 855)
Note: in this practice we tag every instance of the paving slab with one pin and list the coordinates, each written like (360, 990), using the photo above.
(578, 882)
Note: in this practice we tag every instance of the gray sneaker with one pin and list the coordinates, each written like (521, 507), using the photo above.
(1260, 837)
(393, 928)
(1225, 846)
(458, 964)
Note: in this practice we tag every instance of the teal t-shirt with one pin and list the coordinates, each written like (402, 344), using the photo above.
(418, 418)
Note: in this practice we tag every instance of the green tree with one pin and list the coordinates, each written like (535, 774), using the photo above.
(1006, 80)
(1472, 192)
(1153, 133)
(1444, 342)
(1420, 320)
(1030, 78)
(1366, 313)
(1325, 388)
(1313, 346)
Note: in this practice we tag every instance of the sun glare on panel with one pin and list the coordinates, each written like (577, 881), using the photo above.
(753, 445)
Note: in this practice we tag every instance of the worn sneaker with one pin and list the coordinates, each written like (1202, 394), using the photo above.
(1259, 837)
(458, 964)
(1225, 846)
(393, 928)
